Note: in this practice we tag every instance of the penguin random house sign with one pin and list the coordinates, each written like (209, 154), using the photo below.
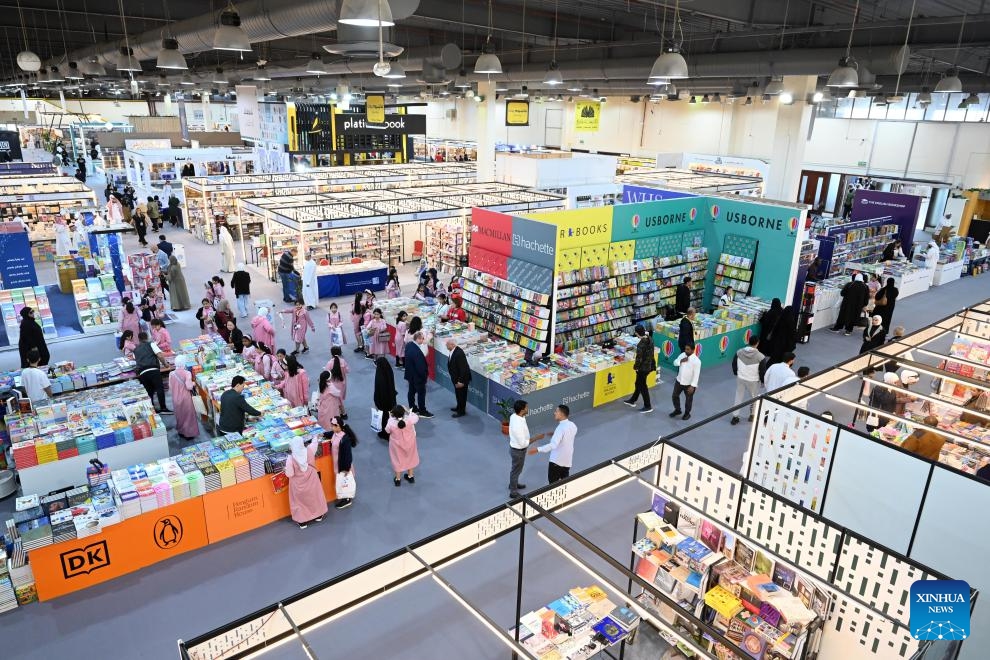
(357, 123)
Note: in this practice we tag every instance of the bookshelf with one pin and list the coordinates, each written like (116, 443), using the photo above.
(733, 271)
(446, 244)
(507, 310)
(98, 303)
(337, 246)
(863, 244)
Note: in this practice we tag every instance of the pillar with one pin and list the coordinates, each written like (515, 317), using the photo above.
(486, 131)
(790, 139)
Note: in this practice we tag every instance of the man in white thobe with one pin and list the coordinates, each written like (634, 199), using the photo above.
(310, 287)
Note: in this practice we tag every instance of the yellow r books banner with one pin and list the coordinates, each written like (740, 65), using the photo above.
(587, 115)
(517, 113)
(375, 105)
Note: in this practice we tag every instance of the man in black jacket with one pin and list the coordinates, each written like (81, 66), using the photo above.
(685, 334)
(417, 371)
(286, 270)
(234, 408)
(682, 298)
(460, 376)
(644, 365)
(241, 281)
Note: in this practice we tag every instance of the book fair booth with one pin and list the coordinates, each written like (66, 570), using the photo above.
(213, 200)
(654, 549)
(842, 444)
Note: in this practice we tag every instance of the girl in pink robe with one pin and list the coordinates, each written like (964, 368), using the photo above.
(129, 318)
(180, 384)
(307, 502)
(161, 336)
(344, 368)
(295, 386)
(329, 403)
(262, 329)
(378, 332)
(357, 320)
(335, 322)
(250, 351)
(127, 344)
(301, 323)
(402, 451)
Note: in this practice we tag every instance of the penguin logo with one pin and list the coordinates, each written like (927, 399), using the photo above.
(168, 532)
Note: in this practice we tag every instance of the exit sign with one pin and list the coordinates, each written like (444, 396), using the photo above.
(861, 163)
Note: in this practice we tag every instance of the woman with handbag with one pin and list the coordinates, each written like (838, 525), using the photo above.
(301, 323)
(180, 385)
(342, 441)
(378, 333)
(402, 449)
(307, 503)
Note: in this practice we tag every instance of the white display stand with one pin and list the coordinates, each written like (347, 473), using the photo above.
(179, 250)
(945, 273)
(916, 282)
(826, 308)
(44, 478)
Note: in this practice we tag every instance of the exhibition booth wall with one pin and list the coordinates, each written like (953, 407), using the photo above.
(807, 447)
(494, 568)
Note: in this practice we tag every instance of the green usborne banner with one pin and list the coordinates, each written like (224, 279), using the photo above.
(713, 350)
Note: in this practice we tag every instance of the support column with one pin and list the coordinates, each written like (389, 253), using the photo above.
(790, 139)
(486, 132)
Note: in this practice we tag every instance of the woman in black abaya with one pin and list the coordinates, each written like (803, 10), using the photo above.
(385, 393)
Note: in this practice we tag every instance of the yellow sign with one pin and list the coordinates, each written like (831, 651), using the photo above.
(618, 381)
(290, 118)
(517, 113)
(579, 228)
(375, 107)
(586, 116)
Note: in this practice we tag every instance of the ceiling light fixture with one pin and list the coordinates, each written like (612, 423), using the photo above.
(126, 60)
(230, 35)
(261, 75)
(845, 75)
(315, 66)
(395, 72)
(950, 83)
(775, 86)
(219, 77)
(817, 97)
(488, 63)
(670, 64)
(786, 98)
(705, 99)
(366, 13)
(186, 80)
(554, 77)
(73, 72)
(27, 60)
(169, 56)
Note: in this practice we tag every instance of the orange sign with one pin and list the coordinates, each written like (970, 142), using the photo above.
(119, 549)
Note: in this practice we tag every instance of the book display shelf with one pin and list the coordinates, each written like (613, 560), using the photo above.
(12, 301)
(852, 242)
(446, 244)
(145, 276)
(507, 310)
(98, 304)
(735, 272)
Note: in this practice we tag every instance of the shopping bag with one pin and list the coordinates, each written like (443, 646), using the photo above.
(346, 486)
(376, 419)
(336, 336)
(872, 419)
(97, 472)
(198, 405)
(279, 482)
(314, 402)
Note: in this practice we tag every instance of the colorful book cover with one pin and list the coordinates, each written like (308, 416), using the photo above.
(609, 629)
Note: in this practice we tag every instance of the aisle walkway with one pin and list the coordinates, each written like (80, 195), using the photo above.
(463, 472)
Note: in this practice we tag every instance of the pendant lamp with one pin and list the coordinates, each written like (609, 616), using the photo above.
(366, 13)
(230, 35)
(126, 60)
(846, 74)
(169, 56)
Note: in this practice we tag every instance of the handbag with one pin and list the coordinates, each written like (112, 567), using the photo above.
(336, 337)
(346, 486)
(384, 336)
(872, 419)
(376, 419)
(198, 405)
(882, 301)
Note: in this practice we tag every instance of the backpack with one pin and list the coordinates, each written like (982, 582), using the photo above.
(764, 365)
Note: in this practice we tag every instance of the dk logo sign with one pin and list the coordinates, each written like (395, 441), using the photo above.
(85, 560)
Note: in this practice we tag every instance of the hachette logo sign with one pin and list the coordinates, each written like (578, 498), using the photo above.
(940, 610)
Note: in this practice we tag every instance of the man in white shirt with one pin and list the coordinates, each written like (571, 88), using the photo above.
(35, 381)
(780, 374)
(688, 372)
(561, 446)
(519, 441)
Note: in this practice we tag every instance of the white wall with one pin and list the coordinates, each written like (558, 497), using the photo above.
(958, 153)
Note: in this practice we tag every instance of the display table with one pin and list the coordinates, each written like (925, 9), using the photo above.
(945, 273)
(345, 279)
(47, 477)
(719, 349)
(908, 278)
(157, 535)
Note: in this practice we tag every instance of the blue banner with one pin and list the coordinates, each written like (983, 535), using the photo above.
(634, 194)
(17, 265)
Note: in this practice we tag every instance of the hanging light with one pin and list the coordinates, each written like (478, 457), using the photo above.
(817, 97)
(461, 81)
(169, 56)
(693, 100)
(126, 60)
(786, 98)
(92, 67)
(28, 61)
(230, 35)
(924, 97)
(315, 66)
(950, 83)
(488, 63)
(846, 75)
(775, 86)
(396, 72)
(187, 80)
(753, 89)
(366, 13)
(670, 65)
(219, 77)
(705, 99)
(162, 80)
(261, 75)
(972, 99)
(73, 72)
(717, 98)
(553, 76)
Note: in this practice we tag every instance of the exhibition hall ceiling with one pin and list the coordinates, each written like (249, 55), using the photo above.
(609, 45)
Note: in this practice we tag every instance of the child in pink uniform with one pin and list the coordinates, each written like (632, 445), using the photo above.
(262, 328)
(301, 323)
(402, 450)
(127, 344)
(336, 326)
(329, 402)
(161, 336)
(400, 337)
(295, 386)
(307, 502)
(378, 332)
(357, 320)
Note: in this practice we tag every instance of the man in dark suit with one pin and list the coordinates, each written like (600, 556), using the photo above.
(460, 376)
(682, 299)
(417, 372)
(685, 334)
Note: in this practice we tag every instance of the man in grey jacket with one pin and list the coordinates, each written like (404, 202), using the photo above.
(746, 367)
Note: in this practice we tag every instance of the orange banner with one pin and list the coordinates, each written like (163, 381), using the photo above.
(119, 549)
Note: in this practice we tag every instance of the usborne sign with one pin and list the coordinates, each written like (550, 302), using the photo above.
(356, 123)
(517, 113)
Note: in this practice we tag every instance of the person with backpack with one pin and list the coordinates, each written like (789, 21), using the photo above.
(746, 367)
